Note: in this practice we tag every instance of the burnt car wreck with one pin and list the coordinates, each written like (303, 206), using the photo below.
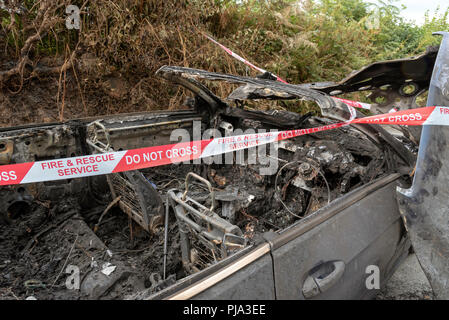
(298, 220)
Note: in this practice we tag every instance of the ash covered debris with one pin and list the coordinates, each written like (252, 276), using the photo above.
(38, 246)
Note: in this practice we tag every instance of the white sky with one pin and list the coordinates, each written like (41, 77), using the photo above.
(417, 8)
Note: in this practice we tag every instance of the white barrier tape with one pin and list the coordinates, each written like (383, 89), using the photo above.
(112, 162)
(351, 103)
(355, 104)
(236, 56)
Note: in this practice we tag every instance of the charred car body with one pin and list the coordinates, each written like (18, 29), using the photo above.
(203, 230)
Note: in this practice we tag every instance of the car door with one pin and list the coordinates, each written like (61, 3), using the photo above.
(339, 251)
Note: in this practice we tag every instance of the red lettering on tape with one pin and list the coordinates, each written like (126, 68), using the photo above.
(173, 153)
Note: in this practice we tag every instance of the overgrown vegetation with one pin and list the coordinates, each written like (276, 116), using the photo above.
(108, 66)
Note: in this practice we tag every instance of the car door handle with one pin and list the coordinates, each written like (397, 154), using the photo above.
(322, 278)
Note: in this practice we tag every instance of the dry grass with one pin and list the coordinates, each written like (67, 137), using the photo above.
(108, 66)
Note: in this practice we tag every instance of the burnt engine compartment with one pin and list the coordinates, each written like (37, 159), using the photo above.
(132, 234)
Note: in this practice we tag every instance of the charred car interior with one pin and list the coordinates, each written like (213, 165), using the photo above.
(301, 219)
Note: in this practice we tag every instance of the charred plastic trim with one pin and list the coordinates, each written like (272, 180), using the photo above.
(177, 74)
(329, 107)
(213, 103)
(424, 206)
(393, 72)
(391, 84)
(285, 120)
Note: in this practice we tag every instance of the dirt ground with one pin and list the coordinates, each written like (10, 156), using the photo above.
(407, 283)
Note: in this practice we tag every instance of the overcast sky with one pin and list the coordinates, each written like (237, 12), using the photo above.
(417, 8)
